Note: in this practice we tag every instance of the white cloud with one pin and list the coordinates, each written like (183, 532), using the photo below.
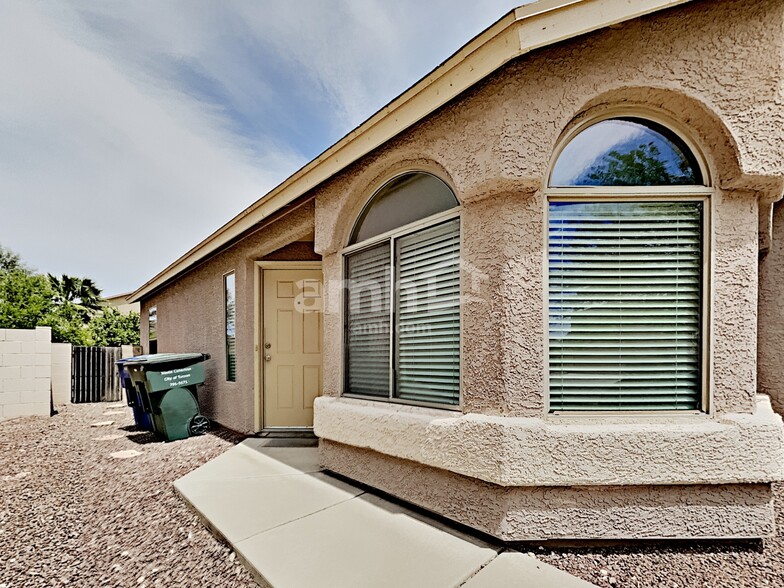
(96, 163)
(356, 54)
(107, 151)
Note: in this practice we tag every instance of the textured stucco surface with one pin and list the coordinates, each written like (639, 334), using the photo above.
(712, 68)
(191, 314)
(521, 514)
(565, 451)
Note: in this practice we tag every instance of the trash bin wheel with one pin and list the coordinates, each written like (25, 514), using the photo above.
(198, 425)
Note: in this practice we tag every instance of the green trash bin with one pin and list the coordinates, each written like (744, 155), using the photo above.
(166, 385)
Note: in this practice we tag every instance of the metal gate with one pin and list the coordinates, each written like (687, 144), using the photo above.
(93, 374)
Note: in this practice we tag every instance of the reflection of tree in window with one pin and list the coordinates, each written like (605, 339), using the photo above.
(641, 166)
(626, 152)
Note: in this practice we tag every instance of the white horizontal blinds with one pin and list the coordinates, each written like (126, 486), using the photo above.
(428, 315)
(368, 320)
(625, 305)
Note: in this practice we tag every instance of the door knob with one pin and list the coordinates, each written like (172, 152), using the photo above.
(267, 357)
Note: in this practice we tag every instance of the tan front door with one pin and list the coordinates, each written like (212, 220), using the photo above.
(291, 350)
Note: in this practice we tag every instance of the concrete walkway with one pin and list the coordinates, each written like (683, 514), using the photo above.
(295, 527)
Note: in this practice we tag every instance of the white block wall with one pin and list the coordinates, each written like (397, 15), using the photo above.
(130, 351)
(25, 372)
(61, 373)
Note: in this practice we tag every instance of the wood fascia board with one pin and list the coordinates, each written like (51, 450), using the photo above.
(566, 20)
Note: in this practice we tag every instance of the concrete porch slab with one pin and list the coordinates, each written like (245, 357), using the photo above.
(243, 461)
(363, 542)
(294, 526)
(248, 506)
(515, 569)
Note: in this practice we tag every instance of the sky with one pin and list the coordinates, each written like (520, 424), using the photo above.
(130, 131)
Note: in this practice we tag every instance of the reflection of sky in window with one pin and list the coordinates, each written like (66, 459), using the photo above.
(230, 305)
(589, 151)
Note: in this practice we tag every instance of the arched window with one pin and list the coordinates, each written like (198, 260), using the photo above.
(400, 202)
(626, 152)
(402, 304)
(628, 220)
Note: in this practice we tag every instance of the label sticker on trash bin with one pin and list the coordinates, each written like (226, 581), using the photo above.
(176, 378)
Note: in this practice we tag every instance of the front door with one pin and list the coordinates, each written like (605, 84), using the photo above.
(291, 346)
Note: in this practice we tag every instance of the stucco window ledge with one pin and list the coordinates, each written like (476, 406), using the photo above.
(510, 451)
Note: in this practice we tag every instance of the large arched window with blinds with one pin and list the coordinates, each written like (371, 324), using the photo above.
(402, 302)
(628, 225)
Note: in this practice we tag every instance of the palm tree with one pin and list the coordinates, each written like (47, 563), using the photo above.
(78, 296)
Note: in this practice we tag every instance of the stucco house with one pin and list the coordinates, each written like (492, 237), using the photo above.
(537, 293)
(120, 302)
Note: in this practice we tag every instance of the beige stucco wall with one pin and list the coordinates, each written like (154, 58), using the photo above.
(577, 512)
(712, 68)
(61, 373)
(191, 315)
(25, 372)
(565, 450)
(125, 308)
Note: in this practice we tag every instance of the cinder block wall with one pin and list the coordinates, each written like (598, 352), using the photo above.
(130, 351)
(25, 372)
(61, 373)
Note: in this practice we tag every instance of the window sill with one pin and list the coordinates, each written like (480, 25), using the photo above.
(557, 451)
(451, 408)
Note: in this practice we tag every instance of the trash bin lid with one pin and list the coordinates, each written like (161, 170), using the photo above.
(125, 360)
(166, 358)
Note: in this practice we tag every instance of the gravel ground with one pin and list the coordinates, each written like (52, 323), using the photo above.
(72, 515)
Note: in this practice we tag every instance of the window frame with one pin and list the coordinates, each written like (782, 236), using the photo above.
(153, 310)
(391, 237)
(226, 325)
(675, 193)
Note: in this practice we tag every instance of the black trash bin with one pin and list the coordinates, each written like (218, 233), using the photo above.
(165, 385)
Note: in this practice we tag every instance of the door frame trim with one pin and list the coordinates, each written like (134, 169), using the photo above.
(258, 320)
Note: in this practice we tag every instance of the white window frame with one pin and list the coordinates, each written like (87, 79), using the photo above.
(619, 194)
